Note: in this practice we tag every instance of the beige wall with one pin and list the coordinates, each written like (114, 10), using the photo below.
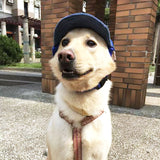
(17, 8)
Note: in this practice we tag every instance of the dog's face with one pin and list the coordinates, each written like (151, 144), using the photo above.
(82, 60)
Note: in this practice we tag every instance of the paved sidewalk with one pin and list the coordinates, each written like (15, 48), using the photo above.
(25, 112)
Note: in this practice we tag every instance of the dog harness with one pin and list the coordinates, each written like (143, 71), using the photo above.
(77, 132)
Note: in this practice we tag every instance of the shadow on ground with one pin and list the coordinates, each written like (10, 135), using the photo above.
(26, 92)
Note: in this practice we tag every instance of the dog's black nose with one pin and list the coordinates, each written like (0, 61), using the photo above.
(66, 56)
(66, 63)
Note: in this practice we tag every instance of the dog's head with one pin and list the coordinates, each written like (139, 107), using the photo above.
(82, 60)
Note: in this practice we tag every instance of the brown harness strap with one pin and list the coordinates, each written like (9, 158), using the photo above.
(77, 133)
(77, 143)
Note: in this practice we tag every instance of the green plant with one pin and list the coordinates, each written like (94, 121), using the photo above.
(10, 52)
(22, 65)
(106, 16)
(152, 68)
(158, 10)
(30, 65)
(107, 11)
(38, 54)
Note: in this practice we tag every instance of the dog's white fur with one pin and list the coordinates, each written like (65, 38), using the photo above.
(70, 98)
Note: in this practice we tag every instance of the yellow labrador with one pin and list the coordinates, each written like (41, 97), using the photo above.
(80, 63)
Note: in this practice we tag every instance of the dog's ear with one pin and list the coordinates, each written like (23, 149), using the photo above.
(114, 56)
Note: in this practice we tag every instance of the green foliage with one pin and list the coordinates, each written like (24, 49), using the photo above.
(28, 65)
(10, 52)
(152, 68)
(22, 65)
(107, 11)
(158, 10)
(38, 54)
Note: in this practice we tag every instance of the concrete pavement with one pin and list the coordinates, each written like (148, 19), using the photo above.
(25, 112)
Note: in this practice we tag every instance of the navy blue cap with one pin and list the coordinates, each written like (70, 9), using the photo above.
(81, 20)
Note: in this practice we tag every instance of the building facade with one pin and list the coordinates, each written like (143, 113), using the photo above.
(12, 14)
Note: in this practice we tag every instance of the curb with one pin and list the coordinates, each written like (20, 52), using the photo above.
(22, 69)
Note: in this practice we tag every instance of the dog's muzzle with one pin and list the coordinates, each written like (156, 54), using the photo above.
(67, 65)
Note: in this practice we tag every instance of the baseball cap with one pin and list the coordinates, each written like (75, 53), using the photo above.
(81, 20)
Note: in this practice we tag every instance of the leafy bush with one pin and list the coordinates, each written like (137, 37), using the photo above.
(106, 16)
(10, 51)
(107, 11)
(158, 10)
(38, 54)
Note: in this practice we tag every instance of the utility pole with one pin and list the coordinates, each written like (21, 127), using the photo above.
(25, 40)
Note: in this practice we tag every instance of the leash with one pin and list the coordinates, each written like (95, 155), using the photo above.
(77, 132)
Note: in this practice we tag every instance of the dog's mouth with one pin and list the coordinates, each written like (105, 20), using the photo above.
(71, 74)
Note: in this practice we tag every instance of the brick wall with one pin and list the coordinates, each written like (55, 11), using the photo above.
(112, 17)
(52, 12)
(133, 39)
(96, 8)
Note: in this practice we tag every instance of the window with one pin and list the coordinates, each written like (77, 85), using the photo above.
(25, 9)
(9, 2)
(1, 5)
(36, 13)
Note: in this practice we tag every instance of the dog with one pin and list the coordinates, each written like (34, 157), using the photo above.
(80, 127)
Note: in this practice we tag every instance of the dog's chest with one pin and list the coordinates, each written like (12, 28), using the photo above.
(94, 136)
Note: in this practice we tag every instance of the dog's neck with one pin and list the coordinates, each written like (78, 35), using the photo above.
(85, 103)
(99, 86)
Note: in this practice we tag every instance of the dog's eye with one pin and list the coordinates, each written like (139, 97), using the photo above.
(91, 43)
(65, 42)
